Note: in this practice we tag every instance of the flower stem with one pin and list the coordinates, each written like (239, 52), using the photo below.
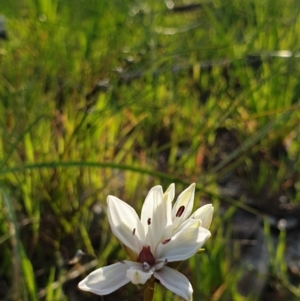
(149, 289)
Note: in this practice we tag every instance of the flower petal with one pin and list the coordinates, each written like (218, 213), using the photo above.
(170, 192)
(175, 282)
(105, 280)
(168, 199)
(125, 224)
(183, 206)
(184, 243)
(205, 213)
(154, 216)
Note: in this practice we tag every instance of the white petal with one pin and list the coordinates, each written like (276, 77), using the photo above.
(183, 206)
(125, 224)
(184, 243)
(170, 192)
(186, 224)
(175, 282)
(137, 275)
(105, 280)
(205, 213)
(168, 199)
(154, 216)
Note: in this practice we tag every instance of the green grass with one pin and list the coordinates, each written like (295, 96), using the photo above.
(66, 145)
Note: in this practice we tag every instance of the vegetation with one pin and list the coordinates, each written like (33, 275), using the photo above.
(113, 97)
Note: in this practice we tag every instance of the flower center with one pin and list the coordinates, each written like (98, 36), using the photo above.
(146, 256)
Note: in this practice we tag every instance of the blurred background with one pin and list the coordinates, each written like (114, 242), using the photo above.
(113, 97)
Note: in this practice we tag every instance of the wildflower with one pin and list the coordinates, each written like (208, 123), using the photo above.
(162, 235)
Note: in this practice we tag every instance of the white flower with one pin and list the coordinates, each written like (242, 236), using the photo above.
(162, 235)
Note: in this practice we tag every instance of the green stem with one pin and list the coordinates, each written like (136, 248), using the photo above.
(149, 289)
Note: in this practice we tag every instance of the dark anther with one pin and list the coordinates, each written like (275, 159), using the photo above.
(180, 211)
(149, 221)
(133, 231)
(166, 241)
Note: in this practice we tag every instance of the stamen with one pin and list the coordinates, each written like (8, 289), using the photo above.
(166, 261)
(149, 221)
(166, 241)
(180, 211)
(133, 231)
